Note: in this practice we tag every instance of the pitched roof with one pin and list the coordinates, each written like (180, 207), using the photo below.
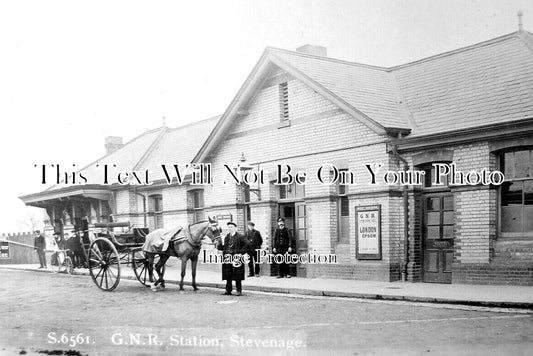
(366, 88)
(177, 146)
(486, 83)
(153, 148)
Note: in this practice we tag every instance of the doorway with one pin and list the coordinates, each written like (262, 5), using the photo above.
(438, 237)
(295, 215)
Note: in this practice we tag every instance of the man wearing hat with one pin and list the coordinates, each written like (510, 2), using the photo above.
(253, 242)
(234, 244)
(39, 244)
(283, 243)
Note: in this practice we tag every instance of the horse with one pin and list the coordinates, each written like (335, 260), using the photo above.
(186, 249)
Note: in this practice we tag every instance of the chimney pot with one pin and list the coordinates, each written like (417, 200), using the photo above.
(112, 143)
(313, 49)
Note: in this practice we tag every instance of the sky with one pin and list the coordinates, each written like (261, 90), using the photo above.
(73, 72)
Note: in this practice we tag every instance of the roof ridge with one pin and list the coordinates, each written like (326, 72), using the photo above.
(329, 59)
(525, 37)
(151, 148)
(194, 123)
(402, 103)
(457, 50)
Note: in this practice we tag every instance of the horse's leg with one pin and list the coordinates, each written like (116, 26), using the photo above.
(194, 261)
(184, 259)
(151, 267)
(159, 268)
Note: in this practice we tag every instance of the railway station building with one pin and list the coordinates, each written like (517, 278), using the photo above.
(464, 113)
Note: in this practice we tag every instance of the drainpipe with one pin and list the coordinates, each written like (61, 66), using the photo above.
(405, 214)
(144, 205)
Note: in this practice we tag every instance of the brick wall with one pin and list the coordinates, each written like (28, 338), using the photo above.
(480, 257)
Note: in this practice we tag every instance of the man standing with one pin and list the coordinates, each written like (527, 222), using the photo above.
(79, 249)
(253, 243)
(234, 244)
(71, 246)
(39, 244)
(283, 243)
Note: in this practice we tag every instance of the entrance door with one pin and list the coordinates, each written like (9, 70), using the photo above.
(295, 215)
(438, 237)
(301, 236)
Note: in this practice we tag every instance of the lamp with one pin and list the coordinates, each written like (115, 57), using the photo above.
(243, 166)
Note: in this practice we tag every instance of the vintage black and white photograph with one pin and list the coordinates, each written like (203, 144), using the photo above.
(298, 177)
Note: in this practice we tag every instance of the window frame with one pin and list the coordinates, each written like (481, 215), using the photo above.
(197, 210)
(501, 165)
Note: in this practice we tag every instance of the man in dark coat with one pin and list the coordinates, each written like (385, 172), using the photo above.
(39, 244)
(71, 245)
(283, 243)
(253, 242)
(79, 249)
(234, 244)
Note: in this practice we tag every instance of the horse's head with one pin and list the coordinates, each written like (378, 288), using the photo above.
(213, 231)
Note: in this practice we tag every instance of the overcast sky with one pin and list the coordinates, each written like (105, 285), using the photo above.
(73, 72)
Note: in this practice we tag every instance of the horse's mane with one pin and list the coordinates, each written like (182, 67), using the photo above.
(198, 222)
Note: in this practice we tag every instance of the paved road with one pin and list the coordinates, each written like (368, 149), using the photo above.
(44, 313)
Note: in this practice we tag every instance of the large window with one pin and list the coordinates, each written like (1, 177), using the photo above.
(517, 193)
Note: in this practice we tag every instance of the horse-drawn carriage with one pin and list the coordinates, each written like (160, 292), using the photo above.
(109, 249)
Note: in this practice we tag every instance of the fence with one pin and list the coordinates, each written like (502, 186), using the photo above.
(17, 249)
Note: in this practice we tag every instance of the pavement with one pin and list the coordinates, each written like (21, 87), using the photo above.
(465, 294)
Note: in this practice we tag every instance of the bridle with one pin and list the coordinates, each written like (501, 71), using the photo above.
(198, 242)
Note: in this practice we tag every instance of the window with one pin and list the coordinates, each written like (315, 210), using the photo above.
(284, 101)
(291, 191)
(4, 249)
(156, 210)
(429, 177)
(198, 205)
(343, 207)
(516, 193)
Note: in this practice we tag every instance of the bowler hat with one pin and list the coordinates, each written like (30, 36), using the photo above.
(231, 223)
(281, 220)
(251, 223)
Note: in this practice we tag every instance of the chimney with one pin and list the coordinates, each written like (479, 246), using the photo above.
(112, 143)
(313, 49)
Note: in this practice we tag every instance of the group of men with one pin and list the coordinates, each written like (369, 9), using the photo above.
(235, 243)
(72, 243)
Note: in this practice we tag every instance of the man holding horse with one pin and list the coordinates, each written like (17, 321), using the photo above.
(234, 245)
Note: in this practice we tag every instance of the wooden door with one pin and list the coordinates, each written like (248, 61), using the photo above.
(438, 224)
(300, 235)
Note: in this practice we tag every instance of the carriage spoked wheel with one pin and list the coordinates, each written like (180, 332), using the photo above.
(104, 264)
(140, 267)
(69, 266)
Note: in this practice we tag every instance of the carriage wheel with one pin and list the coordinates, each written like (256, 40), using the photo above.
(104, 264)
(69, 265)
(140, 267)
